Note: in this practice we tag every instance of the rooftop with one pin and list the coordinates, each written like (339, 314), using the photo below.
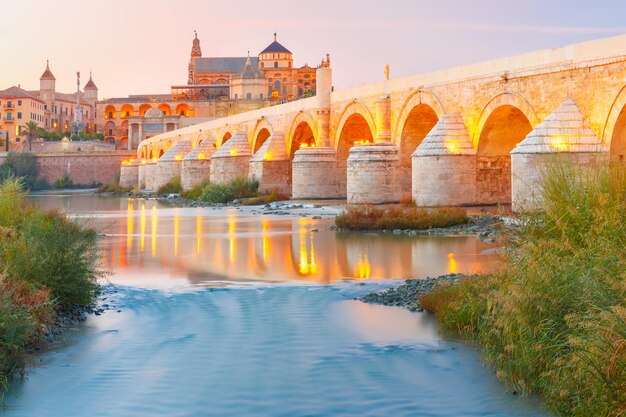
(17, 92)
(275, 47)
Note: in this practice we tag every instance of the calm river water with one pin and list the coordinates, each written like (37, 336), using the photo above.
(224, 313)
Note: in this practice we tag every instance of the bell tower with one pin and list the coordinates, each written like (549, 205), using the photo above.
(196, 53)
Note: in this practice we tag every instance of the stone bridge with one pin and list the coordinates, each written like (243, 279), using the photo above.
(476, 134)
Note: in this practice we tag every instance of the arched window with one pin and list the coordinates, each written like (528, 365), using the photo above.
(277, 85)
(262, 64)
(275, 64)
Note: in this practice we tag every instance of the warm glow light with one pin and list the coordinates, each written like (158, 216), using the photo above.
(233, 152)
(176, 230)
(155, 159)
(363, 269)
(304, 145)
(178, 157)
(143, 162)
(198, 234)
(142, 227)
(130, 225)
(153, 230)
(202, 155)
(559, 143)
(307, 266)
(452, 266)
(362, 142)
(231, 238)
(124, 162)
(267, 156)
(265, 239)
(452, 147)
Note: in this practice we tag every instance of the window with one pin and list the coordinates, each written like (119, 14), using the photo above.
(262, 64)
(9, 116)
(249, 96)
(110, 132)
(277, 85)
(236, 96)
(19, 102)
(275, 64)
(261, 96)
(19, 115)
(110, 115)
(307, 76)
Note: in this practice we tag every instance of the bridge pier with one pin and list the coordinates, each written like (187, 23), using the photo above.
(374, 174)
(271, 166)
(169, 165)
(565, 139)
(149, 172)
(444, 166)
(315, 174)
(196, 166)
(141, 175)
(129, 174)
(232, 160)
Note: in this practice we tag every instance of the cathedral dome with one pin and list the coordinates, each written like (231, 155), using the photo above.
(153, 113)
(275, 47)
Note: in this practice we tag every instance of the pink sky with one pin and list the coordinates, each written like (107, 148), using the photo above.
(142, 46)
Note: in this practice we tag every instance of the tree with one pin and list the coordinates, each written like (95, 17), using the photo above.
(31, 129)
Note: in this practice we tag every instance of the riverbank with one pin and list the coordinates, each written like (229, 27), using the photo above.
(408, 294)
(50, 269)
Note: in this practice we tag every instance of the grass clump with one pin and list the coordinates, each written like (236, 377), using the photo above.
(264, 199)
(195, 192)
(553, 319)
(21, 165)
(114, 187)
(239, 188)
(368, 217)
(173, 186)
(46, 261)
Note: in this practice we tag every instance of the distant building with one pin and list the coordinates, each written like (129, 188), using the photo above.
(216, 87)
(50, 109)
(19, 107)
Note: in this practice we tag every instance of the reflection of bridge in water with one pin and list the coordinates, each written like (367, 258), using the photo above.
(469, 135)
(213, 246)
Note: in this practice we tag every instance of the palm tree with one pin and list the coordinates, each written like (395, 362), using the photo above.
(30, 130)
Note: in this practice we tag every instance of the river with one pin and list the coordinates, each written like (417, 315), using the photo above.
(221, 312)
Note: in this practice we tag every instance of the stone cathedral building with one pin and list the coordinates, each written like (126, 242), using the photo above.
(216, 87)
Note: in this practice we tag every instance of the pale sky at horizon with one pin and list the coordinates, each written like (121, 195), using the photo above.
(143, 46)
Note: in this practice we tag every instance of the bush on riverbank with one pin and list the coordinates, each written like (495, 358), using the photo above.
(238, 188)
(173, 186)
(46, 260)
(22, 165)
(553, 319)
(114, 187)
(367, 217)
(195, 192)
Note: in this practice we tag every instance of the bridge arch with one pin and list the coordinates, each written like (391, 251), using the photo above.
(143, 109)
(614, 131)
(165, 108)
(418, 115)
(303, 130)
(356, 126)
(262, 131)
(222, 136)
(505, 121)
(349, 113)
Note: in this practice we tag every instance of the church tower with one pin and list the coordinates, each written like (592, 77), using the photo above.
(196, 53)
(91, 91)
(47, 85)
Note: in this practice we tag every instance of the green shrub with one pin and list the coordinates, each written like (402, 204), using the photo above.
(114, 187)
(239, 188)
(196, 191)
(64, 183)
(404, 217)
(53, 252)
(264, 199)
(171, 187)
(22, 165)
(13, 205)
(552, 320)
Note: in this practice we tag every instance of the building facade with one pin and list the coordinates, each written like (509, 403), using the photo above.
(216, 87)
(18, 107)
(59, 107)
